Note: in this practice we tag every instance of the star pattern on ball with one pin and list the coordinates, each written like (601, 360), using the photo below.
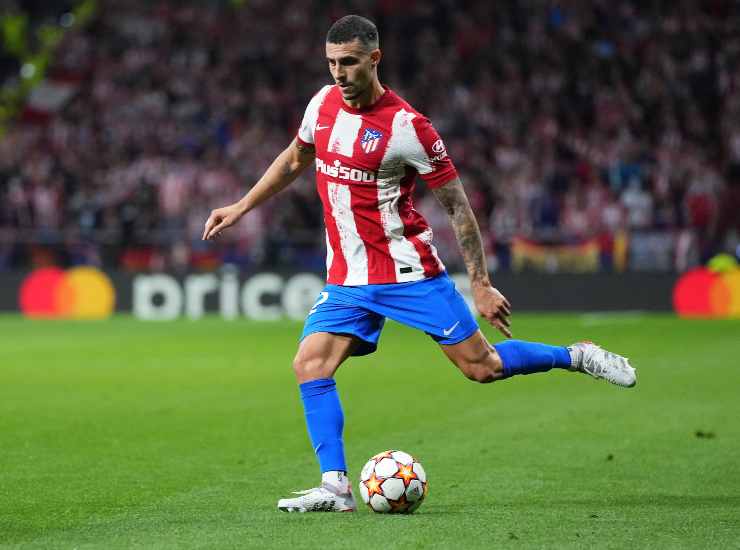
(380, 456)
(406, 473)
(399, 506)
(373, 486)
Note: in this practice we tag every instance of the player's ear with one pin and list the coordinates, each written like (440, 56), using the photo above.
(375, 56)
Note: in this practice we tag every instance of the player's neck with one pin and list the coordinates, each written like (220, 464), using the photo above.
(368, 97)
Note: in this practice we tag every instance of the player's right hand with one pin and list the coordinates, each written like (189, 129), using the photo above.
(220, 219)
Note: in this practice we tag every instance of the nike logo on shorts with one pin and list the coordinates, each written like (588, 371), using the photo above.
(448, 331)
(320, 127)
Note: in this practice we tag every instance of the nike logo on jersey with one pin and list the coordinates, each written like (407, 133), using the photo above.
(448, 331)
(320, 127)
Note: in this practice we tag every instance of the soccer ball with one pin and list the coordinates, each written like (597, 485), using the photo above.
(393, 482)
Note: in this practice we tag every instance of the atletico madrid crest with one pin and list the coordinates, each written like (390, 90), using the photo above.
(370, 140)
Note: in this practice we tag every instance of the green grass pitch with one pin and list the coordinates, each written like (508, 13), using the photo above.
(123, 434)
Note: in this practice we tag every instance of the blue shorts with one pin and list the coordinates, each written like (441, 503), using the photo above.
(432, 305)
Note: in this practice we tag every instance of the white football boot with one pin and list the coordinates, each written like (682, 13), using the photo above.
(591, 359)
(319, 499)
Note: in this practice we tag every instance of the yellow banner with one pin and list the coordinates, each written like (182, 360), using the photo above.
(571, 258)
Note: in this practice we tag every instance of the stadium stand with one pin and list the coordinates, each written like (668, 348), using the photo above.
(606, 126)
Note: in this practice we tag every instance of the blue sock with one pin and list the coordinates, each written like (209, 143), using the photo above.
(520, 357)
(325, 421)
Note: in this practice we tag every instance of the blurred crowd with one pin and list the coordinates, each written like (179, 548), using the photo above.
(568, 121)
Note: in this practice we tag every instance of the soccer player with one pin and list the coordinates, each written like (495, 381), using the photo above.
(368, 145)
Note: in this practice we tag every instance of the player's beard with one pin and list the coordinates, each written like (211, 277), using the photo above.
(352, 96)
(355, 92)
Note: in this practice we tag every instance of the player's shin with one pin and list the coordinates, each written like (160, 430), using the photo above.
(519, 357)
(325, 422)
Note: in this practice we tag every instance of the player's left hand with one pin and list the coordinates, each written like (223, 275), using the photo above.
(494, 307)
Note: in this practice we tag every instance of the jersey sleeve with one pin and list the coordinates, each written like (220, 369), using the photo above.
(431, 159)
(310, 116)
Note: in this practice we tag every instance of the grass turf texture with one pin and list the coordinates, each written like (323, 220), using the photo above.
(123, 434)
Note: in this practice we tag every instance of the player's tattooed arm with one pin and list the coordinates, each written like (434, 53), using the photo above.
(489, 301)
(282, 172)
(454, 200)
(305, 148)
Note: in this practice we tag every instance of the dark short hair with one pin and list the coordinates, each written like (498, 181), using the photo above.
(350, 27)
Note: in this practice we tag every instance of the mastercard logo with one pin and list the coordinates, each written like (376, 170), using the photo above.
(708, 294)
(78, 293)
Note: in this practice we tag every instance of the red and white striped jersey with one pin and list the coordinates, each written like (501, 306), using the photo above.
(366, 163)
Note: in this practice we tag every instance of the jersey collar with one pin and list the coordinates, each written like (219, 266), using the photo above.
(382, 99)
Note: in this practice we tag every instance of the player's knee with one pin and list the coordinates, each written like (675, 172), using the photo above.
(311, 368)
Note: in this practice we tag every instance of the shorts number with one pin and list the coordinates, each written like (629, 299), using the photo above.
(323, 297)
